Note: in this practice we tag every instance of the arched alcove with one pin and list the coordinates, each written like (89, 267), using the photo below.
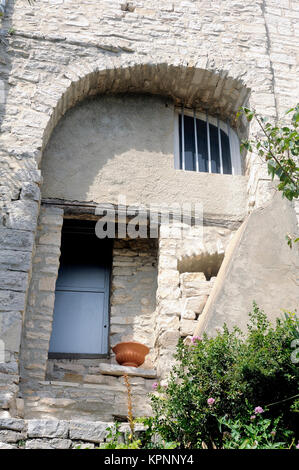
(143, 179)
(215, 91)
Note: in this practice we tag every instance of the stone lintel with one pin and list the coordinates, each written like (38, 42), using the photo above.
(115, 369)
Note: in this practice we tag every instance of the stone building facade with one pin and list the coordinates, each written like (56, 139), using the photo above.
(90, 98)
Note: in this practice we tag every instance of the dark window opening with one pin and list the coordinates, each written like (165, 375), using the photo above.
(81, 312)
(203, 147)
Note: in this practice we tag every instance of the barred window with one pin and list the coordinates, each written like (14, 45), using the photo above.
(205, 144)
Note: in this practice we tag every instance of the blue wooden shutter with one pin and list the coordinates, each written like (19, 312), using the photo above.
(80, 323)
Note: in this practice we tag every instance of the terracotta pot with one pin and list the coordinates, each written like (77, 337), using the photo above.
(130, 354)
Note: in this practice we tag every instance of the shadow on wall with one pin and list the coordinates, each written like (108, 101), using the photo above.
(208, 263)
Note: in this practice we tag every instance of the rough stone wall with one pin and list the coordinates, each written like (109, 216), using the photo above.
(134, 286)
(182, 295)
(55, 434)
(99, 395)
(210, 54)
(195, 293)
(58, 387)
(92, 389)
(41, 296)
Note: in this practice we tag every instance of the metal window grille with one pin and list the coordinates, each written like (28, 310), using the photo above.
(204, 146)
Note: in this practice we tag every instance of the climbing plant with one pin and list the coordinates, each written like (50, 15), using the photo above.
(279, 147)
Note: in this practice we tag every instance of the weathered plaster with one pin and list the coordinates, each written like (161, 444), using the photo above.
(124, 145)
(260, 267)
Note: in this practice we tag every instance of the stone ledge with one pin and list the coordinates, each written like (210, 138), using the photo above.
(115, 369)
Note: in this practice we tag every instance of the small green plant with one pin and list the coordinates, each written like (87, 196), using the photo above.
(151, 439)
(291, 239)
(293, 322)
(117, 440)
(255, 432)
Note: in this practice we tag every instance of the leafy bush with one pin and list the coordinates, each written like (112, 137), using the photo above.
(255, 433)
(224, 376)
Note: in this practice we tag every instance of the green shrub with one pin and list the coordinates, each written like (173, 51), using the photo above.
(224, 376)
(255, 433)
(147, 439)
(117, 440)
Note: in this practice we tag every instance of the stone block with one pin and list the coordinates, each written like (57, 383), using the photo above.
(13, 280)
(169, 339)
(172, 293)
(96, 379)
(23, 215)
(11, 436)
(48, 444)
(88, 431)
(125, 427)
(121, 320)
(47, 428)
(195, 303)
(4, 445)
(10, 331)
(118, 299)
(50, 238)
(170, 307)
(10, 300)
(83, 445)
(15, 260)
(30, 191)
(192, 279)
(6, 398)
(8, 379)
(16, 239)
(188, 314)
(187, 327)
(201, 288)
(169, 277)
(11, 367)
(47, 283)
(166, 322)
(168, 262)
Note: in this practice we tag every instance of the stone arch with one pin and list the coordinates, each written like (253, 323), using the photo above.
(184, 81)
